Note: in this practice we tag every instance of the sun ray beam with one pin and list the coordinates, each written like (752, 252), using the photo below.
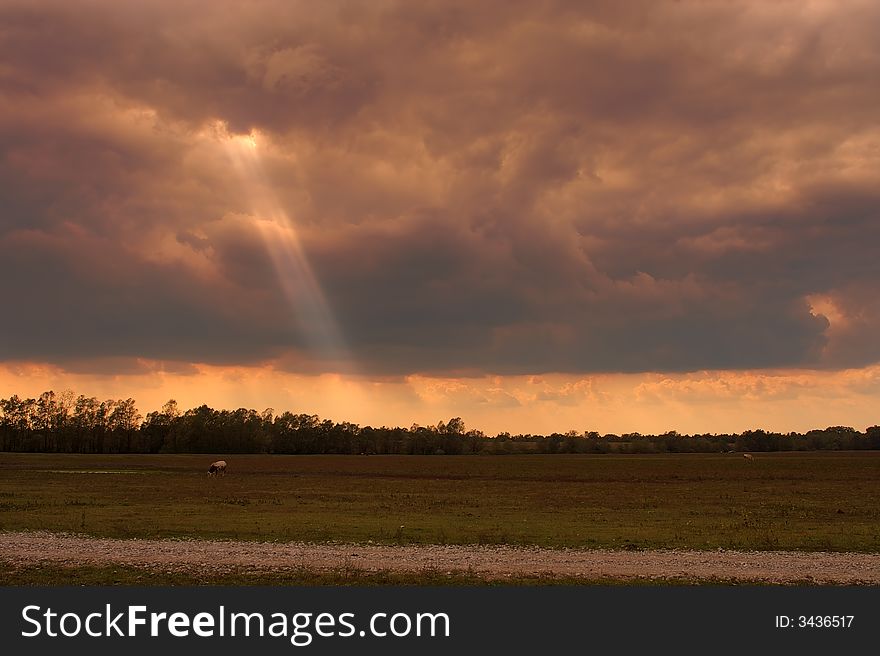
(308, 302)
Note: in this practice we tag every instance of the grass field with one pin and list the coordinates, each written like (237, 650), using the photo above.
(54, 575)
(798, 501)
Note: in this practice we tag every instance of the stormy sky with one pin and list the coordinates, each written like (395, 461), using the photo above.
(493, 191)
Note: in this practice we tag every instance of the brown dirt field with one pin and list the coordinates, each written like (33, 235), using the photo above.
(29, 548)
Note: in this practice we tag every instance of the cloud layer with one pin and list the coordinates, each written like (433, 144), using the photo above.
(492, 188)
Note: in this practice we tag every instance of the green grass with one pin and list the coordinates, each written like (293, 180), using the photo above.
(798, 501)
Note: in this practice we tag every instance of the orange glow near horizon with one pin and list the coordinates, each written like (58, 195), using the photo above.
(701, 402)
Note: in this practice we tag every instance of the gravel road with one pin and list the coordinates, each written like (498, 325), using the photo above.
(20, 548)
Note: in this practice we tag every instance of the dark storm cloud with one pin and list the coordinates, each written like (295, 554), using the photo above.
(72, 297)
(510, 188)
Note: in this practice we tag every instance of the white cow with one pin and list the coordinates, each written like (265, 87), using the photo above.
(218, 467)
(749, 457)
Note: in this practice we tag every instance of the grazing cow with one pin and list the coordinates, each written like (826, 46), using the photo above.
(749, 457)
(218, 467)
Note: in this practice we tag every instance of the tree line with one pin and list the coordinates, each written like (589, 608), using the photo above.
(65, 423)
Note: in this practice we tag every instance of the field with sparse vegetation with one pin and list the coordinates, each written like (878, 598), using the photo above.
(782, 501)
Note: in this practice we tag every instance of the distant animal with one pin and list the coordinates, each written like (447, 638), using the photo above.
(218, 467)
(749, 457)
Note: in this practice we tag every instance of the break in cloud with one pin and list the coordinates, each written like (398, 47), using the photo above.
(481, 188)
